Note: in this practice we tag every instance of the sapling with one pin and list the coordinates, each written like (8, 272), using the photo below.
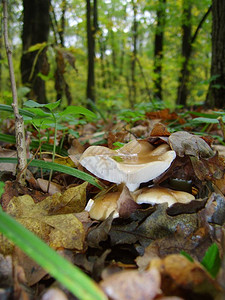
(19, 124)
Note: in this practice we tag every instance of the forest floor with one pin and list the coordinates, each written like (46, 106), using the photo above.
(161, 245)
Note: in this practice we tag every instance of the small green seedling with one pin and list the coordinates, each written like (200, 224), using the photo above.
(46, 116)
(211, 260)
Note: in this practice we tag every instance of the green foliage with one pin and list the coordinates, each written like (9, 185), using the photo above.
(56, 167)
(1, 188)
(211, 260)
(61, 269)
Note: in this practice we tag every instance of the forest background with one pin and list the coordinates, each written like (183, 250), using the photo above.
(117, 53)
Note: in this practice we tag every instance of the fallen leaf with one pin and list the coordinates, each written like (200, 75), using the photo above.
(100, 232)
(132, 285)
(184, 143)
(60, 230)
(53, 187)
(159, 129)
(184, 278)
(33, 272)
(126, 204)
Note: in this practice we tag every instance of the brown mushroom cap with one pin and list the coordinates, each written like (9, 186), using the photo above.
(100, 208)
(134, 163)
(157, 195)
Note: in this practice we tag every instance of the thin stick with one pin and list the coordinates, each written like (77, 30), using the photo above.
(19, 124)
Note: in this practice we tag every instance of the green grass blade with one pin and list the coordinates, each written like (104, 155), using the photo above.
(57, 167)
(34, 144)
(70, 276)
(23, 112)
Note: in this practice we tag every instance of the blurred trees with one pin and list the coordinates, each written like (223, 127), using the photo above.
(126, 52)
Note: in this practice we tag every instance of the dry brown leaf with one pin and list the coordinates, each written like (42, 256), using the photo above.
(60, 230)
(53, 187)
(184, 143)
(159, 129)
(132, 285)
(181, 276)
(33, 272)
(126, 204)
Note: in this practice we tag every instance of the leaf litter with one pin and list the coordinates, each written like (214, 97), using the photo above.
(135, 250)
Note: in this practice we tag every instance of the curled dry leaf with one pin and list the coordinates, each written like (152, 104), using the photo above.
(184, 143)
(132, 285)
(134, 163)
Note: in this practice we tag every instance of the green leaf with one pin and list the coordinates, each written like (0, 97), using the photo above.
(57, 167)
(211, 261)
(61, 269)
(23, 112)
(37, 46)
(34, 144)
(50, 106)
(39, 112)
(1, 188)
(182, 252)
(77, 110)
(205, 120)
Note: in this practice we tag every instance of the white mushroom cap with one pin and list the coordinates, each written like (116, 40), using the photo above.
(133, 164)
(157, 195)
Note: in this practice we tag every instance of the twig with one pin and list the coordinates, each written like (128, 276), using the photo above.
(19, 124)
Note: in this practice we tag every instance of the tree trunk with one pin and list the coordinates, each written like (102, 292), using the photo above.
(182, 91)
(92, 25)
(134, 55)
(158, 49)
(216, 93)
(36, 23)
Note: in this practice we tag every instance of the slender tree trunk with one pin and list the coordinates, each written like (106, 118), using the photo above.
(216, 93)
(19, 124)
(158, 48)
(134, 55)
(187, 48)
(62, 22)
(182, 92)
(113, 55)
(36, 23)
(102, 61)
(1, 57)
(92, 26)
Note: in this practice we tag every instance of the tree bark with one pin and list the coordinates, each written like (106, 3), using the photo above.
(92, 26)
(158, 48)
(187, 49)
(182, 91)
(36, 23)
(216, 92)
(134, 55)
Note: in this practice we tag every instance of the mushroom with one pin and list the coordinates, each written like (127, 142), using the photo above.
(135, 163)
(100, 208)
(157, 195)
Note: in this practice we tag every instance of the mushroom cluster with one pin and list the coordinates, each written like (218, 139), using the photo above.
(135, 163)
